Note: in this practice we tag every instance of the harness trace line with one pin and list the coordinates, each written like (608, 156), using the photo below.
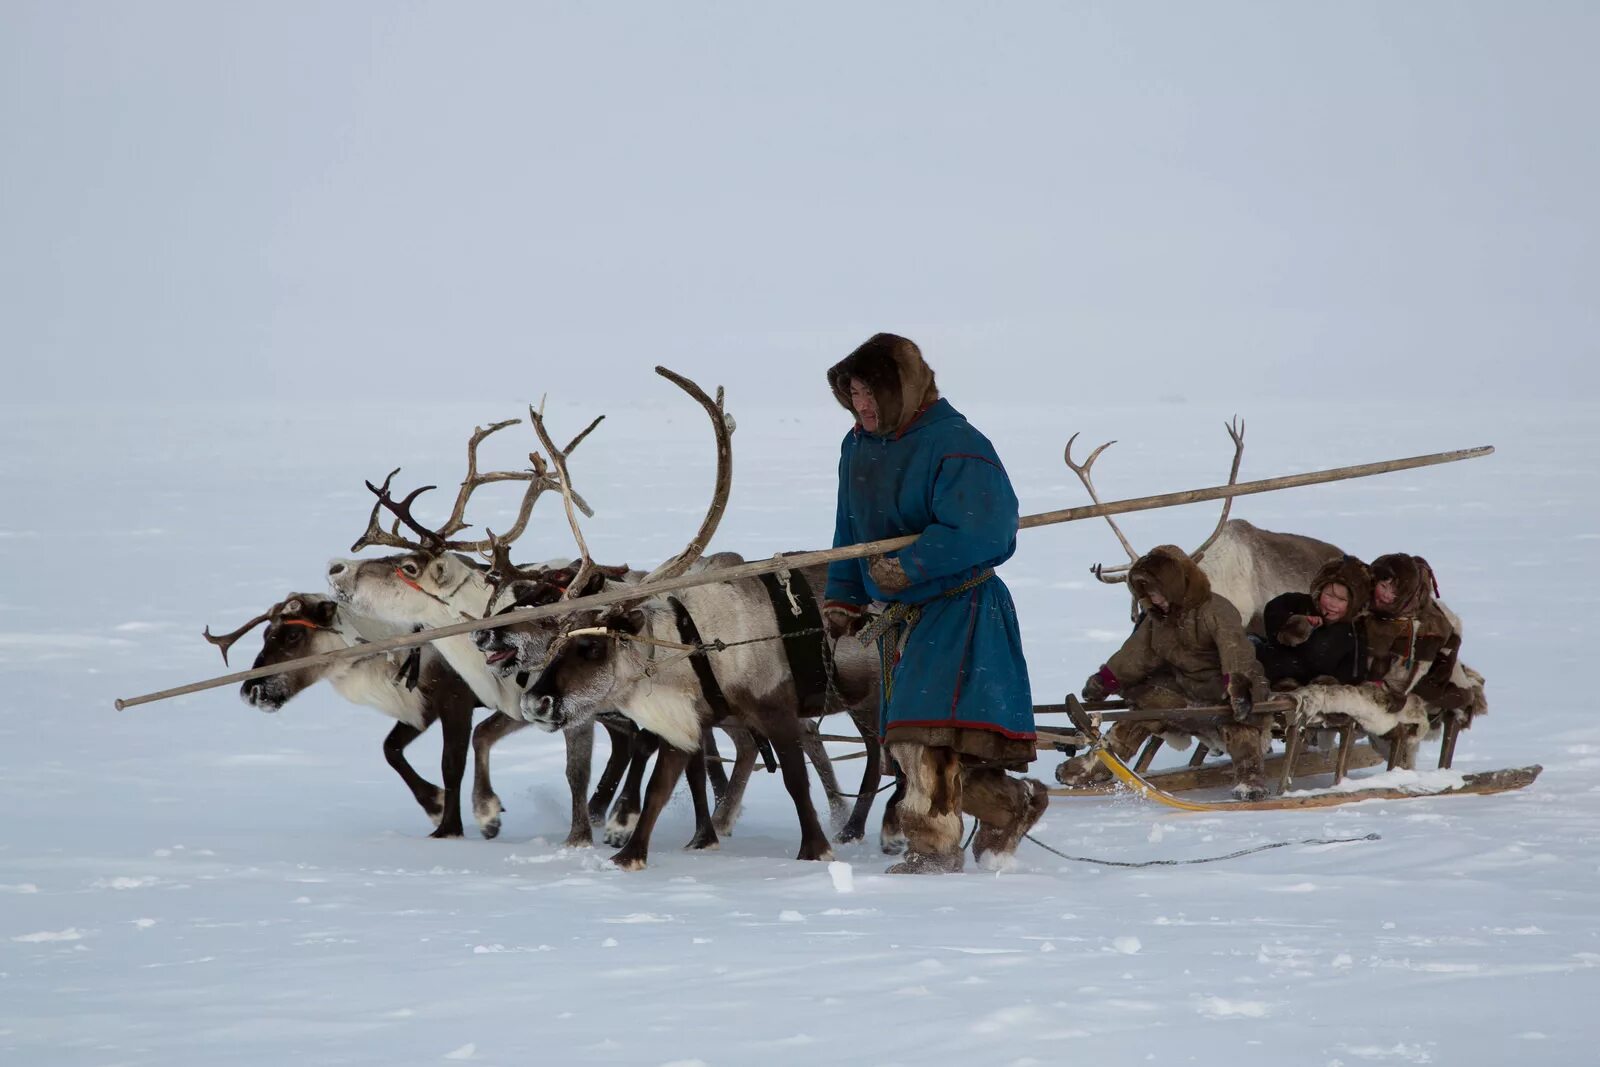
(1204, 859)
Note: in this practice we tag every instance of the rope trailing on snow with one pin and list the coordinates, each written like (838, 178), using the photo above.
(1204, 859)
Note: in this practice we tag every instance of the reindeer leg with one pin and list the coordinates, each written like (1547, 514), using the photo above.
(625, 815)
(611, 776)
(855, 827)
(713, 762)
(817, 752)
(580, 758)
(670, 762)
(744, 763)
(457, 726)
(486, 806)
(430, 796)
(891, 837)
(705, 834)
(783, 730)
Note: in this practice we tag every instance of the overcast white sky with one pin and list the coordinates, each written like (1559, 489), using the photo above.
(213, 201)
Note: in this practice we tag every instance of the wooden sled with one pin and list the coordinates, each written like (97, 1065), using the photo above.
(1482, 783)
(1220, 775)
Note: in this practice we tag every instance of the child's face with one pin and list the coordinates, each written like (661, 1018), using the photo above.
(1334, 602)
(1383, 593)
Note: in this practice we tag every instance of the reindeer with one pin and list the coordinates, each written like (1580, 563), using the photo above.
(431, 582)
(417, 690)
(1246, 564)
(609, 658)
(520, 650)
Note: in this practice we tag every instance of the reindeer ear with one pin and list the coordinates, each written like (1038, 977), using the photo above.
(324, 613)
(632, 622)
(596, 582)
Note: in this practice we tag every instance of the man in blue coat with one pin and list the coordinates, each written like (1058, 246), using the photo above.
(957, 711)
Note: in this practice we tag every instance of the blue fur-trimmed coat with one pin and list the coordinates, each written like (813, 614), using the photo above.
(940, 478)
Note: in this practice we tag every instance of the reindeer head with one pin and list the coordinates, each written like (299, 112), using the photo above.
(303, 624)
(523, 647)
(589, 667)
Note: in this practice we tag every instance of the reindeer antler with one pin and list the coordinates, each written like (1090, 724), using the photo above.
(226, 641)
(1236, 431)
(559, 458)
(722, 425)
(1082, 470)
(440, 540)
(375, 533)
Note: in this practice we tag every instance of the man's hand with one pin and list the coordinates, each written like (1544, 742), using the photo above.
(888, 574)
(1101, 684)
(841, 619)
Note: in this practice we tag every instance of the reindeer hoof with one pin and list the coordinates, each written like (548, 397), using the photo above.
(850, 834)
(703, 843)
(444, 833)
(619, 831)
(488, 812)
(814, 851)
(579, 839)
(629, 861)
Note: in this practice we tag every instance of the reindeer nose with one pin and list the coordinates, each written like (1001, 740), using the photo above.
(252, 691)
(335, 568)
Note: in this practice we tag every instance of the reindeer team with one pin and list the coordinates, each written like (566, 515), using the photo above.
(638, 668)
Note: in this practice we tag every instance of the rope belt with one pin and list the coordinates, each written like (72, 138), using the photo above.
(902, 618)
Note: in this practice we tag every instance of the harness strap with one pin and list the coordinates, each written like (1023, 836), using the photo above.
(710, 688)
(795, 608)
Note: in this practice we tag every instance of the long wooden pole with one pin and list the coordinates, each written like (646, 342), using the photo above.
(809, 559)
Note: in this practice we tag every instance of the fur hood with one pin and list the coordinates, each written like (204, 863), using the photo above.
(1169, 570)
(893, 368)
(1354, 575)
(1414, 584)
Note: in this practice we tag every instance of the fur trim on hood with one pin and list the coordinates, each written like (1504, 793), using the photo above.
(1354, 575)
(1169, 570)
(893, 368)
(1414, 584)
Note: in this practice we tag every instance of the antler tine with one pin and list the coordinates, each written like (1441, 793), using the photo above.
(559, 458)
(457, 520)
(578, 440)
(375, 533)
(226, 641)
(502, 572)
(722, 425)
(1235, 428)
(1083, 472)
(538, 479)
(1111, 575)
(401, 510)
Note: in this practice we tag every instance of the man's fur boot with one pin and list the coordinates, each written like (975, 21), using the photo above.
(1244, 744)
(1006, 808)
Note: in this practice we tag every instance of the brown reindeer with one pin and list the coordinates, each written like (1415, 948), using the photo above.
(417, 689)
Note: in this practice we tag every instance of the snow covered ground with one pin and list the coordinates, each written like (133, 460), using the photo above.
(195, 882)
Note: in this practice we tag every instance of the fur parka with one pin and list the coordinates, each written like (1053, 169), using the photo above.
(1199, 638)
